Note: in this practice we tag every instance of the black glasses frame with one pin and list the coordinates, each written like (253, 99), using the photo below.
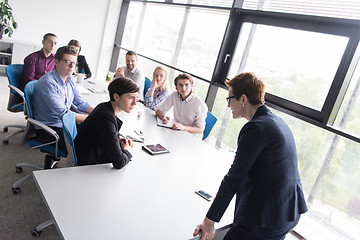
(68, 62)
(228, 99)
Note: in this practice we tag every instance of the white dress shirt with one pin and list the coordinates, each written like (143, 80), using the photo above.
(190, 112)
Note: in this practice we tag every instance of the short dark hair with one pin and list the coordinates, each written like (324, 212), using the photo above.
(64, 50)
(48, 35)
(247, 83)
(122, 86)
(131, 53)
(184, 76)
(74, 42)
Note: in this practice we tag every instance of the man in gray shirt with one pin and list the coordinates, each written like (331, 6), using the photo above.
(132, 71)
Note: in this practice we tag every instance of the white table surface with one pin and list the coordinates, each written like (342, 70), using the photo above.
(99, 86)
(153, 197)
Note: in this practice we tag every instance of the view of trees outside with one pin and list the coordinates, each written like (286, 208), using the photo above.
(206, 41)
(159, 36)
(294, 64)
(347, 118)
(336, 202)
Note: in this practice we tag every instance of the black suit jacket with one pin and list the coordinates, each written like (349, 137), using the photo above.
(82, 65)
(264, 175)
(97, 140)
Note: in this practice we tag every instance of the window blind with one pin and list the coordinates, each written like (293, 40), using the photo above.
(213, 3)
(349, 9)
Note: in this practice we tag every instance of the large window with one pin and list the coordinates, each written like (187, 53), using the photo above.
(295, 64)
(329, 170)
(157, 30)
(175, 35)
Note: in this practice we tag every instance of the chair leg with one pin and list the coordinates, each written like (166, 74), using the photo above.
(15, 187)
(21, 165)
(8, 137)
(37, 231)
(50, 162)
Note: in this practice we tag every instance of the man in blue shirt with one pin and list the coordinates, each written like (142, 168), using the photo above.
(55, 92)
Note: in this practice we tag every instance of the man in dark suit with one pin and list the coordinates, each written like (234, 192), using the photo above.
(264, 175)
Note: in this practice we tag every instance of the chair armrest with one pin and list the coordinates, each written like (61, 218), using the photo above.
(18, 91)
(76, 110)
(52, 132)
(44, 127)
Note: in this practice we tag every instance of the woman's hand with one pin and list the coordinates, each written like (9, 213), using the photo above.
(154, 84)
(125, 143)
(207, 229)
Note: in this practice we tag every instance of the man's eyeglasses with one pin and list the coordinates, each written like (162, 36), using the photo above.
(228, 99)
(68, 62)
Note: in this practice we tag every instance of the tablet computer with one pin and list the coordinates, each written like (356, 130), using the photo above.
(155, 149)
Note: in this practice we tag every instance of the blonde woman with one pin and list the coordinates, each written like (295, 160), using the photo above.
(158, 90)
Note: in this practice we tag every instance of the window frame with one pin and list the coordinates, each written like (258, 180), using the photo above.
(327, 25)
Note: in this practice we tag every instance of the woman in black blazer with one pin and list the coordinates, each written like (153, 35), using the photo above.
(81, 67)
(98, 139)
(264, 175)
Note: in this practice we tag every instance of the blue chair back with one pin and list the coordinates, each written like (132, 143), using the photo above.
(209, 124)
(28, 92)
(70, 132)
(34, 142)
(15, 74)
(147, 84)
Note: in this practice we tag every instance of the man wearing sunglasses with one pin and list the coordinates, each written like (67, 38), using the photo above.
(54, 94)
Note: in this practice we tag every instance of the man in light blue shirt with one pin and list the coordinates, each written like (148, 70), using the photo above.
(55, 92)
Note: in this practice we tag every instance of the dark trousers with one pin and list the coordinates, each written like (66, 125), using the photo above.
(44, 136)
(237, 232)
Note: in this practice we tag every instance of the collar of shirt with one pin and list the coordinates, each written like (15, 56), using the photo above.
(133, 71)
(59, 80)
(186, 99)
(42, 55)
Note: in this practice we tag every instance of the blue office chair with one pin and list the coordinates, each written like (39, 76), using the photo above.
(16, 102)
(54, 154)
(70, 132)
(147, 84)
(209, 124)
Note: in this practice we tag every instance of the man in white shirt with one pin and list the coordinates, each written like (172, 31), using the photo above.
(132, 71)
(189, 109)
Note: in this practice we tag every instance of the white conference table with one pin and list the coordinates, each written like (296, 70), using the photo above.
(100, 88)
(153, 197)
